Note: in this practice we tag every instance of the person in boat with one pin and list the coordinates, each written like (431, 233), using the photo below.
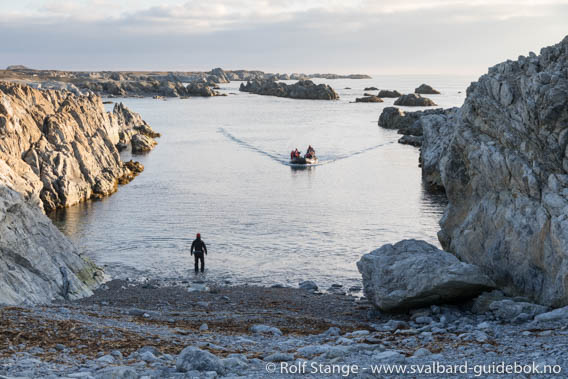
(310, 153)
(297, 153)
(198, 248)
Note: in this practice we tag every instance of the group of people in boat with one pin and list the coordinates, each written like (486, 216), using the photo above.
(310, 153)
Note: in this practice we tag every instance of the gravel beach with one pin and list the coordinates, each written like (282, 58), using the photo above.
(195, 328)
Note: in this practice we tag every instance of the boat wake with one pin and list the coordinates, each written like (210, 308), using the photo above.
(283, 159)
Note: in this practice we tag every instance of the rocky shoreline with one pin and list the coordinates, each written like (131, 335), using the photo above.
(147, 84)
(195, 328)
(56, 149)
(488, 297)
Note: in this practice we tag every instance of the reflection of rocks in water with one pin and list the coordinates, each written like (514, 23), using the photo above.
(436, 199)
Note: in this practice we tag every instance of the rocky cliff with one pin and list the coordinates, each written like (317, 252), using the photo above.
(56, 149)
(503, 161)
(303, 89)
(68, 143)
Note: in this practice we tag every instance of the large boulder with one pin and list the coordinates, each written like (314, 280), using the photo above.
(412, 274)
(508, 309)
(414, 100)
(505, 173)
(396, 118)
(193, 358)
(388, 93)
(425, 89)
(369, 99)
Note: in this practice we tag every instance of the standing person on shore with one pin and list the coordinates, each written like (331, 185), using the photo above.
(198, 249)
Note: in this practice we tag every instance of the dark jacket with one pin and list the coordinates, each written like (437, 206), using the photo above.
(198, 246)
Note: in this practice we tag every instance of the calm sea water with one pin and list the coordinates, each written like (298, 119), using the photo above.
(221, 169)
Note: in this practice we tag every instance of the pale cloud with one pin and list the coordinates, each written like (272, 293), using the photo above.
(278, 35)
(221, 13)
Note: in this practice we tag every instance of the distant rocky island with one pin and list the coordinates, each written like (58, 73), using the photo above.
(303, 89)
(149, 83)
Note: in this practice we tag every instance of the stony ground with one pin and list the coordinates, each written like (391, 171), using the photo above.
(191, 329)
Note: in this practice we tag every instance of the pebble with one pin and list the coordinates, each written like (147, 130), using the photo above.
(279, 357)
(422, 352)
(106, 359)
(260, 328)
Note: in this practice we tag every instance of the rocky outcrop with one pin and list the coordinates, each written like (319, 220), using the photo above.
(414, 100)
(412, 125)
(388, 93)
(66, 141)
(142, 143)
(502, 160)
(131, 124)
(217, 75)
(56, 149)
(369, 99)
(122, 87)
(37, 263)
(425, 89)
(303, 89)
(200, 89)
(437, 130)
(396, 118)
(412, 274)
(506, 176)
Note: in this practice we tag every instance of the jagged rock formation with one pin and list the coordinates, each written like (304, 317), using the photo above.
(410, 124)
(414, 100)
(503, 162)
(56, 149)
(303, 89)
(217, 75)
(388, 93)
(142, 143)
(369, 99)
(412, 274)
(67, 143)
(425, 89)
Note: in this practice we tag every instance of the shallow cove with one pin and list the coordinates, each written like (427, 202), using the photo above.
(221, 169)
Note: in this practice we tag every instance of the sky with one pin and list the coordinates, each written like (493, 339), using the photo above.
(462, 37)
